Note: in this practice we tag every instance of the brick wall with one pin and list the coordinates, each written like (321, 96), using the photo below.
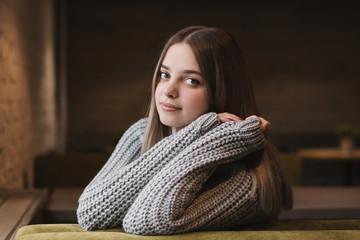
(27, 74)
(302, 57)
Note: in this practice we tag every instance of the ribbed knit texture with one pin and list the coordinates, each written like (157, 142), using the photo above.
(190, 181)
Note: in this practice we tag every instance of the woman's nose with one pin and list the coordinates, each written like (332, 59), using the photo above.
(171, 89)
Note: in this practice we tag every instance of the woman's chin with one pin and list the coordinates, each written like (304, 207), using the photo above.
(171, 123)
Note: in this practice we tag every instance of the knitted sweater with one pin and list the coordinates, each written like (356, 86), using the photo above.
(189, 181)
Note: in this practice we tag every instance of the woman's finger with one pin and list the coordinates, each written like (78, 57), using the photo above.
(227, 117)
(265, 125)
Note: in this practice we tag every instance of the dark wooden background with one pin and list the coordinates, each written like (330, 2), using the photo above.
(303, 58)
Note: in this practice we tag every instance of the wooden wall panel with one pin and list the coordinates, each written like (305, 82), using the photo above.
(302, 58)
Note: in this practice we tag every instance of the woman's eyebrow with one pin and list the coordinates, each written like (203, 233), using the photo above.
(185, 71)
(192, 72)
(164, 66)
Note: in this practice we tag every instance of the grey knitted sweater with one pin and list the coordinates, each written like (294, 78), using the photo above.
(190, 181)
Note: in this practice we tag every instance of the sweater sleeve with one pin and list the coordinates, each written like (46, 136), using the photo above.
(105, 201)
(174, 200)
(127, 149)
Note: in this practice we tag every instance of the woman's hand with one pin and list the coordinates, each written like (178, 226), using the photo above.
(264, 125)
(227, 117)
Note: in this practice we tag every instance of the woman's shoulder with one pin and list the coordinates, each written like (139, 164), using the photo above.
(139, 124)
(137, 129)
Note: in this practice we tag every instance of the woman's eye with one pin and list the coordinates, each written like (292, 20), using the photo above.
(164, 75)
(192, 82)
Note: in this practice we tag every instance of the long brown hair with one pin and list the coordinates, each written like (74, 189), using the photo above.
(229, 90)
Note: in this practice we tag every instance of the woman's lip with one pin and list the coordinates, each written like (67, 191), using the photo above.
(169, 107)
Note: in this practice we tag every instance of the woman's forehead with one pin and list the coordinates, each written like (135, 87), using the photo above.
(180, 57)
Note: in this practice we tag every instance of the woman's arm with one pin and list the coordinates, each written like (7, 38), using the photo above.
(174, 201)
(105, 201)
(127, 150)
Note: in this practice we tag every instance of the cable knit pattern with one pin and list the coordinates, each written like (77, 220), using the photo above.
(188, 181)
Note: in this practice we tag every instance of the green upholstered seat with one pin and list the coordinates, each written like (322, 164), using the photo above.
(294, 229)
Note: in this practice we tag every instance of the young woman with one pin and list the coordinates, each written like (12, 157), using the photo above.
(193, 164)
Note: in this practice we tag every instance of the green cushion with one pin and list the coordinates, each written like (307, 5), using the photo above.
(345, 224)
(296, 229)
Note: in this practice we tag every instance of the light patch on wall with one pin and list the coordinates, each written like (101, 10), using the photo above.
(27, 101)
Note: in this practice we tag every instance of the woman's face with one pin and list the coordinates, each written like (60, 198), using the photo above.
(180, 94)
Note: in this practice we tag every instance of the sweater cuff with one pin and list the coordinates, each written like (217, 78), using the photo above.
(252, 134)
(207, 121)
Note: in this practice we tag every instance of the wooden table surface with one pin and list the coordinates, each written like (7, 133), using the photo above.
(309, 203)
(324, 203)
(18, 208)
(329, 154)
(62, 205)
(330, 166)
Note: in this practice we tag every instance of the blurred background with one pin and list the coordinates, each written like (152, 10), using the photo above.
(75, 74)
